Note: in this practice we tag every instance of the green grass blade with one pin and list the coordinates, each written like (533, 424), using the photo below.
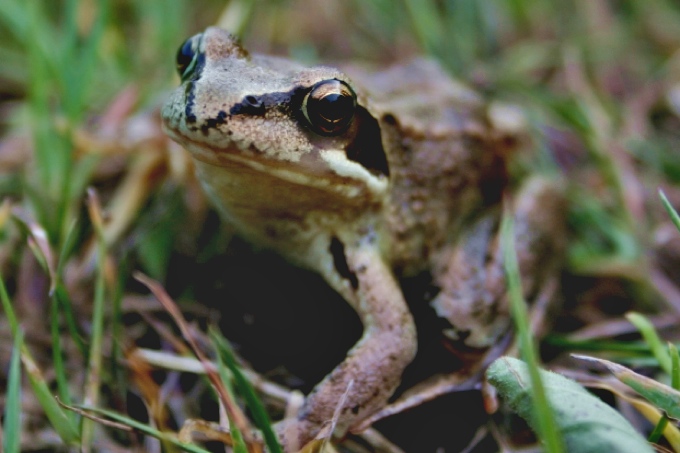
(652, 339)
(13, 17)
(426, 23)
(658, 430)
(239, 445)
(146, 429)
(662, 396)
(11, 441)
(58, 418)
(670, 210)
(57, 353)
(660, 427)
(630, 348)
(675, 366)
(60, 304)
(95, 357)
(66, 309)
(543, 414)
(246, 390)
(119, 372)
(8, 309)
(83, 54)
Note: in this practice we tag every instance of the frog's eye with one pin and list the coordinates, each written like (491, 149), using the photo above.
(329, 106)
(186, 57)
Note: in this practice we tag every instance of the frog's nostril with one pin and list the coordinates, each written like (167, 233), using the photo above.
(389, 119)
(253, 101)
(250, 105)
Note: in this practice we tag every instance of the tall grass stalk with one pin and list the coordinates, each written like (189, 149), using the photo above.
(548, 431)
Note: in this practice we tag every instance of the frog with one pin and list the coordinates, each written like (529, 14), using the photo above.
(365, 177)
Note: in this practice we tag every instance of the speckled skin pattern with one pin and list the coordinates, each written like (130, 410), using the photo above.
(391, 195)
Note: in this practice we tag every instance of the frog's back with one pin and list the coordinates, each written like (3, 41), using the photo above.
(445, 157)
(424, 97)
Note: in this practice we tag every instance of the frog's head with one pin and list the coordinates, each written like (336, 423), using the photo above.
(288, 123)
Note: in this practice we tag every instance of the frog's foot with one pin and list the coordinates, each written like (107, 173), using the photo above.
(472, 276)
(365, 380)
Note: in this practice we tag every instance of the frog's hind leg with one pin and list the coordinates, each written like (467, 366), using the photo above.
(369, 375)
(471, 274)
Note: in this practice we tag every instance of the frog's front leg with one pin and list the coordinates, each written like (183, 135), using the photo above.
(471, 274)
(372, 370)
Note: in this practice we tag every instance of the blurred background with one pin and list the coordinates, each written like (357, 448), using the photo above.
(81, 82)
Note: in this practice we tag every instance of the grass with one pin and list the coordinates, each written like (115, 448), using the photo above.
(79, 83)
(12, 416)
(543, 413)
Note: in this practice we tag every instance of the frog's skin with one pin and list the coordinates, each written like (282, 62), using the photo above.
(400, 180)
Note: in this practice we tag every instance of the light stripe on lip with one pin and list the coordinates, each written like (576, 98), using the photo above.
(344, 184)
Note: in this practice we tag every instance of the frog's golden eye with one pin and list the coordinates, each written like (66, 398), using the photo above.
(186, 57)
(329, 106)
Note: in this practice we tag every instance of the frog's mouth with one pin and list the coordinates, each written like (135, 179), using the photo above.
(326, 170)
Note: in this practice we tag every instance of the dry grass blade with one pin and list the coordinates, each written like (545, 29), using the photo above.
(39, 244)
(131, 194)
(422, 393)
(170, 438)
(325, 435)
(95, 357)
(141, 375)
(234, 412)
(210, 430)
(280, 395)
(648, 410)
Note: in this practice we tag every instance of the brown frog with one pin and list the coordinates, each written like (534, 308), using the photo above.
(364, 180)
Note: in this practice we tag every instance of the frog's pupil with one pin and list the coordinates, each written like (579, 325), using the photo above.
(330, 107)
(335, 106)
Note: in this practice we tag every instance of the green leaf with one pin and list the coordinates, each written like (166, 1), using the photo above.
(586, 423)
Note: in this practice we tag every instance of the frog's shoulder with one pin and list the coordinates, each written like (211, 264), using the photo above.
(421, 96)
